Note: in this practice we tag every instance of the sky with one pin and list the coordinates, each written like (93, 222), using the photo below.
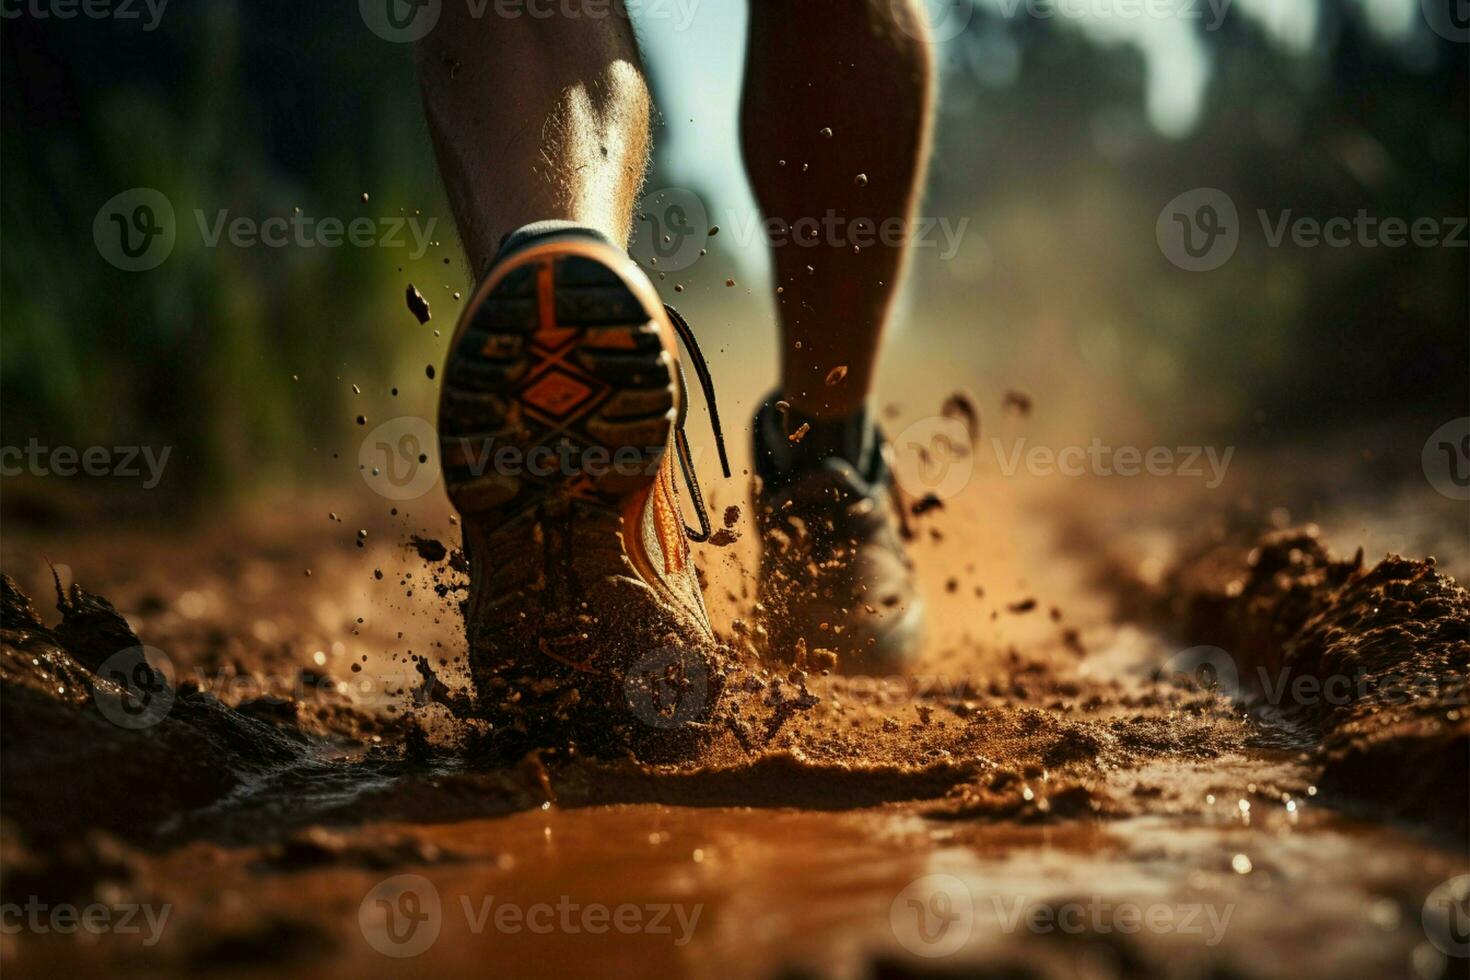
(696, 46)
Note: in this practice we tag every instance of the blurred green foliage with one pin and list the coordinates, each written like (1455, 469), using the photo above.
(252, 108)
(1064, 177)
(1043, 140)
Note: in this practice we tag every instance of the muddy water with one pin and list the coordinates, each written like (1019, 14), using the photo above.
(738, 892)
(1037, 803)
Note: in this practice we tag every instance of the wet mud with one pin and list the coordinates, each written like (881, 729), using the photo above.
(1077, 761)
(1372, 661)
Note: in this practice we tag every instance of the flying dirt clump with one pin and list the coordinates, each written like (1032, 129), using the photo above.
(418, 305)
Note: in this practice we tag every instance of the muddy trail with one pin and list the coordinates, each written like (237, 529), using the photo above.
(1248, 759)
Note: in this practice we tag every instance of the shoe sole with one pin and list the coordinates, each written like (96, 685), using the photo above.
(559, 389)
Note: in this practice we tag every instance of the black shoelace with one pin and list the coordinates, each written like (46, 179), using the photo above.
(681, 440)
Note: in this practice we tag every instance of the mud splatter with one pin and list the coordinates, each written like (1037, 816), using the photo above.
(418, 305)
(1375, 660)
(1017, 403)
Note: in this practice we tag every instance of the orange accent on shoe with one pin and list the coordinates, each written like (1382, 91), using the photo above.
(619, 340)
(550, 335)
(546, 296)
(557, 394)
(668, 525)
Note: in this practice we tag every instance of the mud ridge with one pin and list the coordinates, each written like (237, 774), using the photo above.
(1371, 661)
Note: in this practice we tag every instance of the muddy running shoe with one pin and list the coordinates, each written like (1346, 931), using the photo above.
(834, 574)
(561, 427)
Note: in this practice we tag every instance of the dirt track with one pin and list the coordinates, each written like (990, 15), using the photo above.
(1053, 777)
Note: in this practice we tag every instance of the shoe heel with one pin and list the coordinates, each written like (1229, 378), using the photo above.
(559, 386)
